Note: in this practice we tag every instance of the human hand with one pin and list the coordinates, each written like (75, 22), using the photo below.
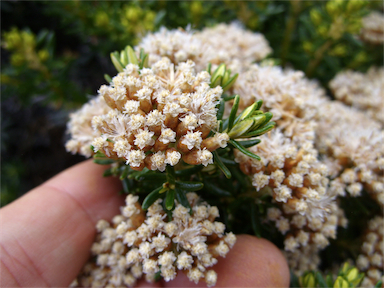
(46, 236)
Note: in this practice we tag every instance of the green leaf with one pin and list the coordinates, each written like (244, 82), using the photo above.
(170, 199)
(142, 53)
(221, 165)
(182, 198)
(259, 121)
(262, 130)
(320, 280)
(379, 284)
(124, 173)
(103, 161)
(131, 55)
(153, 176)
(232, 115)
(230, 82)
(294, 280)
(209, 68)
(216, 81)
(249, 143)
(126, 185)
(124, 58)
(220, 111)
(216, 190)
(247, 112)
(190, 186)
(259, 103)
(241, 128)
(220, 125)
(219, 71)
(329, 281)
(139, 174)
(116, 61)
(107, 78)
(268, 116)
(243, 150)
(151, 198)
(228, 98)
(227, 161)
(170, 174)
(189, 171)
(108, 172)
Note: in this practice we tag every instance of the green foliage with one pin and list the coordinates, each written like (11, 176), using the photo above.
(347, 277)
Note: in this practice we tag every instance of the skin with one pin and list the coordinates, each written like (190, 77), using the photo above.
(46, 236)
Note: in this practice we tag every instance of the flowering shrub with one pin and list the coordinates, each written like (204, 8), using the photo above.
(217, 132)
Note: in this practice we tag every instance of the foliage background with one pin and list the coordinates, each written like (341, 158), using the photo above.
(54, 56)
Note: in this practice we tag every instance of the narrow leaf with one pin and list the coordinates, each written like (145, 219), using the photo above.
(221, 165)
(241, 128)
(379, 284)
(232, 115)
(228, 98)
(170, 199)
(103, 161)
(262, 130)
(151, 198)
(268, 116)
(216, 190)
(124, 58)
(131, 55)
(249, 143)
(209, 68)
(247, 112)
(227, 161)
(190, 186)
(182, 198)
(220, 125)
(220, 111)
(243, 150)
(219, 71)
(107, 78)
(329, 281)
(216, 81)
(230, 82)
(125, 172)
(320, 280)
(259, 103)
(126, 185)
(116, 62)
(189, 171)
(108, 172)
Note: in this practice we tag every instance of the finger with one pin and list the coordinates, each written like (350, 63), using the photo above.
(47, 234)
(252, 262)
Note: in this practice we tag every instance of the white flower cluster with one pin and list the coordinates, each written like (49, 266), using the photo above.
(293, 99)
(156, 116)
(362, 91)
(80, 128)
(319, 150)
(306, 211)
(353, 145)
(143, 243)
(372, 253)
(373, 28)
(228, 44)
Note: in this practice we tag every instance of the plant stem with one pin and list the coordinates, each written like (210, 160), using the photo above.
(291, 24)
(318, 57)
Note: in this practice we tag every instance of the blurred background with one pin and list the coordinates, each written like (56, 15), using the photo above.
(54, 55)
